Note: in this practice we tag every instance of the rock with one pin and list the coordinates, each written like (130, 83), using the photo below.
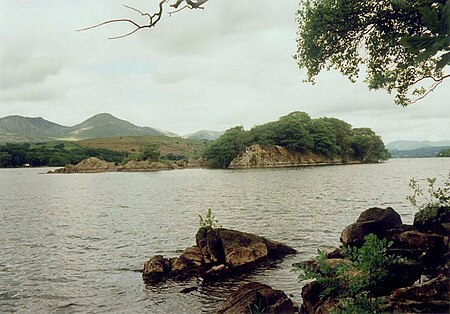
(388, 217)
(373, 220)
(210, 245)
(256, 297)
(429, 297)
(277, 156)
(422, 240)
(194, 256)
(235, 248)
(239, 256)
(311, 297)
(434, 220)
(156, 268)
(146, 165)
(399, 275)
(89, 165)
(218, 252)
(333, 253)
(215, 270)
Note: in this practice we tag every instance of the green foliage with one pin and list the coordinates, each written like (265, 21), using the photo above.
(297, 132)
(56, 155)
(149, 152)
(209, 221)
(367, 146)
(433, 198)
(428, 203)
(444, 153)
(353, 283)
(400, 42)
(259, 306)
(223, 150)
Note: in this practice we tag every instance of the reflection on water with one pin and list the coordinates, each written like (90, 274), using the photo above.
(73, 243)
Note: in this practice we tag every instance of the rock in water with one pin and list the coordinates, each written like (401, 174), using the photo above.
(218, 252)
(256, 297)
(90, 165)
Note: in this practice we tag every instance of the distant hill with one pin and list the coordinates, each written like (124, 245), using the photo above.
(420, 152)
(204, 135)
(24, 129)
(409, 145)
(106, 125)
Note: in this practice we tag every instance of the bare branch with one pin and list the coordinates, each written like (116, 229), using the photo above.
(436, 83)
(153, 18)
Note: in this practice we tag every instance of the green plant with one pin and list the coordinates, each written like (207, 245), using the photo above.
(258, 306)
(209, 221)
(353, 282)
(436, 197)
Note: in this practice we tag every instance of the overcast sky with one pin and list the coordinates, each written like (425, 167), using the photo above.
(228, 65)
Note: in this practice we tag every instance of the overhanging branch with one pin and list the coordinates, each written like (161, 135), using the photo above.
(153, 19)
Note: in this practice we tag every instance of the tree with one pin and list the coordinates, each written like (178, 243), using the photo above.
(222, 151)
(401, 42)
(150, 152)
(367, 146)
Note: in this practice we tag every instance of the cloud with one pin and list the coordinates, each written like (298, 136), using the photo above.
(230, 64)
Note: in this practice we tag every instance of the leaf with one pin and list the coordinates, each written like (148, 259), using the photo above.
(416, 43)
(430, 18)
(445, 20)
(427, 53)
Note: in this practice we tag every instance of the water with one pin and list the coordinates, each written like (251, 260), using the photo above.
(74, 243)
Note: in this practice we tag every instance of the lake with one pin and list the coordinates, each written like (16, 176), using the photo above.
(73, 243)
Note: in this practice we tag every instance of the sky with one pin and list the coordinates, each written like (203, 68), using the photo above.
(230, 64)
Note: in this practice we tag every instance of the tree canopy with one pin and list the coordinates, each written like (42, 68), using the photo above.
(297, 132)
(401, 43)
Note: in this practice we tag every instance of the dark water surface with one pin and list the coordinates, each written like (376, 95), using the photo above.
(73, 243)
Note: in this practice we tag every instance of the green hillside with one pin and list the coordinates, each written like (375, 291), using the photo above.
(176, 146)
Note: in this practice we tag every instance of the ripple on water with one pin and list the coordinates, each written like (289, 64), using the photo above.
(77, 243)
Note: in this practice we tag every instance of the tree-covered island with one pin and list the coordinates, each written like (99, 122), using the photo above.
(299, 133)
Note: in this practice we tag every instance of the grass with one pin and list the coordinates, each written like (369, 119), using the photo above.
(192, 149)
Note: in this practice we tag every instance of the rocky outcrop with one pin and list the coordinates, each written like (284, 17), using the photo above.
(424, 249)
(276, 156)
(90, 165)
(256, 297)
(147, 165)
(217, 253)
(95, 165)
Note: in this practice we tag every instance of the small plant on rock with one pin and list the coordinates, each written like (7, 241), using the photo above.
(435, 205)
(209, 221)
(352, 282)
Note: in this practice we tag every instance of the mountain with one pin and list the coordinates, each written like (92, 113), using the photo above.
(106, 125)
(416, 149)
(23, 129)
(204, 135)
(409, 145)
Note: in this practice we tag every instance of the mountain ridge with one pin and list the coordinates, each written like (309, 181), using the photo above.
(16, 129)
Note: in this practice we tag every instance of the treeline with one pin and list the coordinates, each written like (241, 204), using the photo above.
(17, 155)
(297, 132)
(444, 153)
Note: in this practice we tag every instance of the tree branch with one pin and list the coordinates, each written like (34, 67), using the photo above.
(153, 18)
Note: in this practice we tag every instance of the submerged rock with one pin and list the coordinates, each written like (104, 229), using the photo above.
(256, 297)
